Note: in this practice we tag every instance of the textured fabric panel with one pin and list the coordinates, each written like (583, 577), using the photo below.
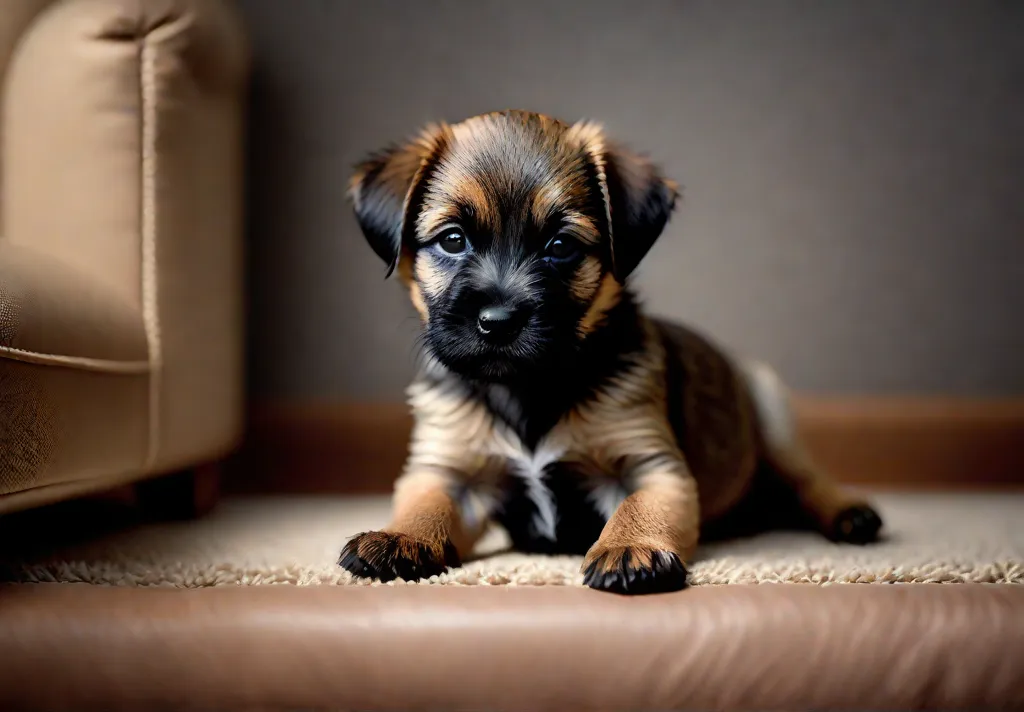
(48, 308)
(10, 306)
(273, 540)
(61, 424)
(28, 427)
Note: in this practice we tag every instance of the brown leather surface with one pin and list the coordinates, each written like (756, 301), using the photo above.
(738, 647)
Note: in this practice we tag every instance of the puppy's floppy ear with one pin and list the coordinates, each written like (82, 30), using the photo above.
(639, 200)
(387, 187)
(642, 201)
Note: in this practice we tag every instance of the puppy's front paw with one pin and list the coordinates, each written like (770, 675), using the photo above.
(633, 570)
(859, 524)
(386, 556)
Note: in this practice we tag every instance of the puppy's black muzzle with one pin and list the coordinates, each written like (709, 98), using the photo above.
(500, 325)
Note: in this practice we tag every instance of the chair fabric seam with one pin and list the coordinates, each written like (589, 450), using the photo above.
(84, 363)
(147, 231)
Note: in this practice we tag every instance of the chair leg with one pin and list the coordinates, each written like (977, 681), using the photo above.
(180, 495)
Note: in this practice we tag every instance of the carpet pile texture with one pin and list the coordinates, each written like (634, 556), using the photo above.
(929, 538)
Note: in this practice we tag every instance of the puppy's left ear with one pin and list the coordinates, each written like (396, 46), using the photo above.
(641, 202)
(386, 190)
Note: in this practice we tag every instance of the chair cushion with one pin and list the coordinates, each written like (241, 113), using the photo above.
(74, 380)
(51, 314)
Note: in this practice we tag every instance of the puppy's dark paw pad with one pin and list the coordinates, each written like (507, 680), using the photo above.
(387, 556)
(634, 571)
(859, 524)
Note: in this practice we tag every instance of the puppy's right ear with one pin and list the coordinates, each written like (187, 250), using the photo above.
(387, 188)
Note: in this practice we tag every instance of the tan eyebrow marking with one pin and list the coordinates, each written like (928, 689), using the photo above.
(446, 201)
(432, 219)
(582, 228)
(608, 294)
(587, 279)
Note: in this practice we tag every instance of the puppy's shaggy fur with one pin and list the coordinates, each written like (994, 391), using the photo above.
(547, 401)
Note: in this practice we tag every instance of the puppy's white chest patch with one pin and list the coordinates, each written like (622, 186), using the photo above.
(530, 466)
(606, 496)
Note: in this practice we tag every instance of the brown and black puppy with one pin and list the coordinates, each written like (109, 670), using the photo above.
(546, 401)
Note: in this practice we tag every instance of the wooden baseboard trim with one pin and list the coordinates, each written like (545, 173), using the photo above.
(900, 443)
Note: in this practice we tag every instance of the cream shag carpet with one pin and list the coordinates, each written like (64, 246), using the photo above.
(930, 538)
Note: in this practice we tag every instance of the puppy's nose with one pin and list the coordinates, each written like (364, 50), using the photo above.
(498, 324)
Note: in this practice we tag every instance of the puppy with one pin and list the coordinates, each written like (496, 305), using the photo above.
(546, 401)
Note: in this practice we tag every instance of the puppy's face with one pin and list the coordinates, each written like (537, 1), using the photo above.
(514, 234)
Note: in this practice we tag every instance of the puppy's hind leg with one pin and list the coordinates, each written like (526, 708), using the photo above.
(838, 515)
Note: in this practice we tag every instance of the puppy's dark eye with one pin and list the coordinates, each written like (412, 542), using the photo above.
(453, 242)
(561, 248)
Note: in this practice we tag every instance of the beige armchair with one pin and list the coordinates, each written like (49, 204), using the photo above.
(121, 130)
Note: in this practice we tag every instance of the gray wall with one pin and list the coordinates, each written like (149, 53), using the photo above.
(853, 172)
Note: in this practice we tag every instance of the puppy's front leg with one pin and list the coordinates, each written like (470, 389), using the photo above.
(425, 537)
(646, 543)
